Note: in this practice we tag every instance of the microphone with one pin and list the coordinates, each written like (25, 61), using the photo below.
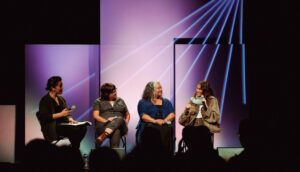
(72, 107)
(168, 122)
(203, 104)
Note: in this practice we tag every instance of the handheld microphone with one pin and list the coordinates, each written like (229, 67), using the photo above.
(204, 107)
(168, 122)
(72, 107)
(203, 103)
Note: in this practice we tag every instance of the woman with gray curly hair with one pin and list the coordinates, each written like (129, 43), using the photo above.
(157, 112)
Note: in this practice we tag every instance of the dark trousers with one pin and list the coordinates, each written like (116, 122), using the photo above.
(166, 133)
(74, 133)
(119, 128)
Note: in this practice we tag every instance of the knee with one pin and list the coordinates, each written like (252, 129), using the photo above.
(119, 120)
(84, 127)
(82, 130)
(117, 132)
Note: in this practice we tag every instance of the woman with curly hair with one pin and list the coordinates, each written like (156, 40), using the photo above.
(202, 109)
(157, 112)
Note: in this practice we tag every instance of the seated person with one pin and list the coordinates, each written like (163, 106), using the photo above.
(111, 115)
(202, 109)
(53, 112)
(158, 113)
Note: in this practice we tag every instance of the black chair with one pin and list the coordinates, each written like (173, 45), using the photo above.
(182, 148)
(124, 143)
(49, 131)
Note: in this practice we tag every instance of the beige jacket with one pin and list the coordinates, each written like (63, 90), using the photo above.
(210, 117)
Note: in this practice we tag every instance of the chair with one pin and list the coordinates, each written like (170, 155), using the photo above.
(182, 148)
(49, 132)
(123, 139)
(137, 133)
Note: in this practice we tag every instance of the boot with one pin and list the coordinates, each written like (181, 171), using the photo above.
(100, 139)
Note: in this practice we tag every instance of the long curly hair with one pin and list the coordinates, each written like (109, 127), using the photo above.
(207, 91)
(148, 93)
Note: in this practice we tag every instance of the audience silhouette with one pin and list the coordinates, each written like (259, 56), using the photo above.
(195, 153)
(200, 153)
(40, 155)
(104, 159)
(149, 154)
(255, 138)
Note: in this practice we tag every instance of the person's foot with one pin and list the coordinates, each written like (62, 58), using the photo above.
(100, 139)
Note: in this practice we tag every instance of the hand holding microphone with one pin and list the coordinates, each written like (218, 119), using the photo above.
(168, 122)
(204, 103)
(72, 108)
(67, 111)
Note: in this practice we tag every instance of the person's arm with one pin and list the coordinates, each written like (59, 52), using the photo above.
(96, 112)
(169, 107)
(127, 114)
(148, 118)
(212, 113)
(98, 118)
(143, 105)
(142, 108)
(65, 112)
(71, 120)
(185, 116)
(127, 117)
(46, 111)
(170, 117)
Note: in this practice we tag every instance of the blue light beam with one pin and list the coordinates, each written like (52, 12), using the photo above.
(217, 42)
(228, 63)
(156, 37)
(207, 36)
(185, 51)
(161, 52)
(225, 80)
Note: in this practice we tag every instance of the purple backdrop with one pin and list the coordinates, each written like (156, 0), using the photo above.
(137, 47)
(78, 66)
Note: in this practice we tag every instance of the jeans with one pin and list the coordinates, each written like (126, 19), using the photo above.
(118, 125)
